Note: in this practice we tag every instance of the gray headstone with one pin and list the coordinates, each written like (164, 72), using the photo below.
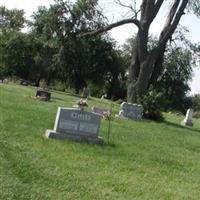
(132, 111)
(76, 124)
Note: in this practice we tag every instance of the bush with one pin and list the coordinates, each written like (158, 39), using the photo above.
(153, 103)
(58, 85)
(95, 90)
(196, 114)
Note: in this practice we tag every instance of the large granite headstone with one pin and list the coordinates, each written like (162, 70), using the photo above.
(131, 111)
(75, 124)
(188, 118)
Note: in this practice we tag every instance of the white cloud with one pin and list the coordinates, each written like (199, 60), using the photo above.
(28, 6)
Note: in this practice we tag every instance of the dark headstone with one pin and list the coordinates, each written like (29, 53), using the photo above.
(43, 94)
(86, 93)
(24, 82)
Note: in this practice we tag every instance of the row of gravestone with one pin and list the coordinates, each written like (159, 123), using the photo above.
(4, 80)
(45, 93)
(78, 125)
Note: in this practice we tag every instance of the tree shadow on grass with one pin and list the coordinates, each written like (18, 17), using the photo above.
(110, 144)
(180, 126)
(67, 93)
(57, 98)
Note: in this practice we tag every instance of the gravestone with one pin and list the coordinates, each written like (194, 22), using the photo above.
(104, 96)
(5, 80)
(188, 118)
(43, 94)
(75, 124)
(24, 82)
(101, 111)
(86, 93)
(82, 103)
(131, 111)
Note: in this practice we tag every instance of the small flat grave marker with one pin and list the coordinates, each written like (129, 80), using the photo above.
(101, 111)
(75, 124)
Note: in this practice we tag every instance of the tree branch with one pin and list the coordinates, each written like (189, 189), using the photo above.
(157, 6)
(124, 5)
(172, 13)
(111, 26)
(167, 33)
(149, 10)
(142, 7)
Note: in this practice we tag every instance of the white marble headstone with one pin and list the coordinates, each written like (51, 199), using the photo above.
(188, 118)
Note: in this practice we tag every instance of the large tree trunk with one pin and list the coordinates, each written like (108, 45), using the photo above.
(146, 65)
(138, 87)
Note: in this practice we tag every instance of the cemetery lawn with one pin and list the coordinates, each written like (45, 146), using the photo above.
(144, 160)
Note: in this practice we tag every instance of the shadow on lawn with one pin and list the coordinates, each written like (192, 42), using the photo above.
(180, 126)
(57, 98)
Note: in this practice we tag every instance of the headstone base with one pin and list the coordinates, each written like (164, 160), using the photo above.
(187, 123)
(74, 137)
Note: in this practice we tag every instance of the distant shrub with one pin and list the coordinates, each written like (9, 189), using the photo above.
(14, 79)
(153, 103)
(59, 86)
(119, 101)
(196, 114)
(95, 90)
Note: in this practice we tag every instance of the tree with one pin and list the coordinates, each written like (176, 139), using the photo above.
(75, 60)
(179, 58)
(173, 81)
(146, 65)
(17, 55)
(11, 20)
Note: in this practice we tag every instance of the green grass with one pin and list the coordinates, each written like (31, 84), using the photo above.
(145, 160)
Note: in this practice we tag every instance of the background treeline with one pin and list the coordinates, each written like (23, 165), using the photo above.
(52, 52)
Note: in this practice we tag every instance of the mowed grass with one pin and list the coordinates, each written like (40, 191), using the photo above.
(144, 160)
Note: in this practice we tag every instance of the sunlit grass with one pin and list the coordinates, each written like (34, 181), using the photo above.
(144, 160)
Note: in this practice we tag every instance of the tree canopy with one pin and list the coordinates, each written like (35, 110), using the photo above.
(60, 47)
(146, 65)
(11, 20)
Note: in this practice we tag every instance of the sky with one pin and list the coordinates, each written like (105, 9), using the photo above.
(114, 13)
